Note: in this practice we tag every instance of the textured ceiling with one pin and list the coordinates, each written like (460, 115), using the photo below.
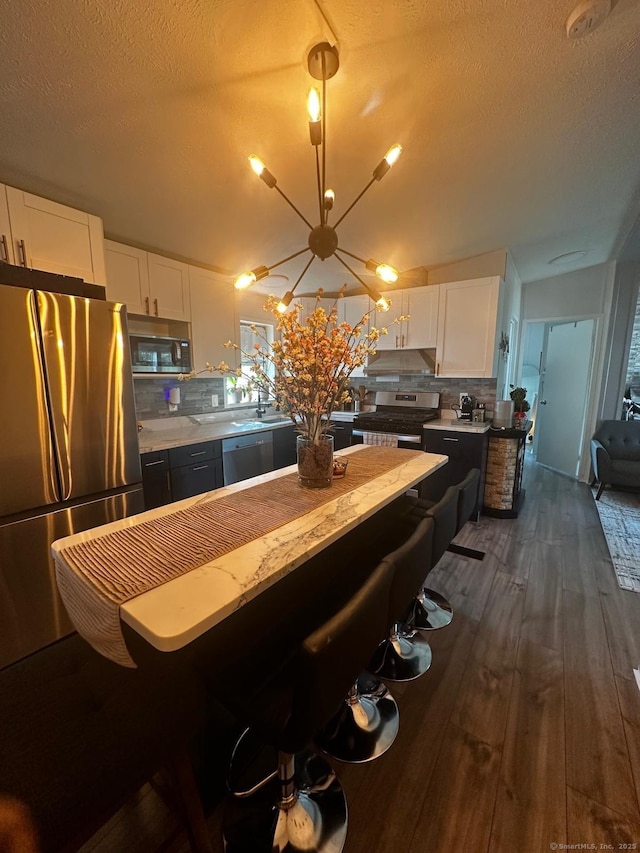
(143, 112)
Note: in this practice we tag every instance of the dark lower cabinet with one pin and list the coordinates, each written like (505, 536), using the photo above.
(465, 451)
(190, 480)
(341, 433)
(182, 472)
(284, 447)
(156, 482)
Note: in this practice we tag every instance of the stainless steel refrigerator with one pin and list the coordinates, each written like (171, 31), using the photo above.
(69, 455)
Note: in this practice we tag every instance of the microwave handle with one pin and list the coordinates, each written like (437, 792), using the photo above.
(176, 353)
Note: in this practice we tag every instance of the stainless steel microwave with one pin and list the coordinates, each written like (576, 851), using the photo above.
(158, 354)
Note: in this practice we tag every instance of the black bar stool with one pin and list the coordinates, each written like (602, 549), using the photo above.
(305, 808)
(405, 654)
(365, 726)
(432, 611)
(467, 502)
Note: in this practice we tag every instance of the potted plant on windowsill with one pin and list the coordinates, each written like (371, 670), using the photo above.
(520, 404)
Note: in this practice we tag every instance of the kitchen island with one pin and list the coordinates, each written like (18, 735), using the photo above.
(184, 607)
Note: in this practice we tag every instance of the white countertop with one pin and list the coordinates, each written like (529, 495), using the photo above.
(182, 431)
(173, 614)
(164, 434)
(458, 425)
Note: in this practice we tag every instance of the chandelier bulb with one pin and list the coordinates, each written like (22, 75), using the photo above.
(387, 273)
(393, 153)
(387, 162)
(285, 302)
(313, 104)
(256, 164)
(246, 279)
(329, 198)
(261, 171)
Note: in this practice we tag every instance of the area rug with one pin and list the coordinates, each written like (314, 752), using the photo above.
(620, 518)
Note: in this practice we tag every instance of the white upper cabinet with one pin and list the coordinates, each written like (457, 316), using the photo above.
(49, 236)
(127, 276)
(213, 318)
(467, 328)
(169, 288)
(351, 310)
(420, 305)
(6, 243)
(147, 283)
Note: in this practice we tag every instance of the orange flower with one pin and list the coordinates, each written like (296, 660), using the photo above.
(312, 361)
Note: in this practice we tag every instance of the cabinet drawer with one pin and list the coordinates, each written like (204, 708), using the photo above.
(157, 460)
(193, 453)
(194, 479)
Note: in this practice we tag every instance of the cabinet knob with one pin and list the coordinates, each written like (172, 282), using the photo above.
(155, 305)
(543, 402)
(5, 249)
(23, 252)
(146, 304)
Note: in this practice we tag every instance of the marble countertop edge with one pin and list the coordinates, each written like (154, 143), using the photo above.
(213, 591)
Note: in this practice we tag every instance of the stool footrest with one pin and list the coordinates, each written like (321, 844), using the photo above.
(466, 552)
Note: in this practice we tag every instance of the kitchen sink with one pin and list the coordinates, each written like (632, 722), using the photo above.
(263, 422)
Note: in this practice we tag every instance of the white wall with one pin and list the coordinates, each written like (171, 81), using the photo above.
(582, 293)
(576, 295)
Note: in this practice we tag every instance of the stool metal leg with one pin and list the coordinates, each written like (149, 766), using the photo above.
(403, 656)
(365, 726)
(431, 611)
(303, 810)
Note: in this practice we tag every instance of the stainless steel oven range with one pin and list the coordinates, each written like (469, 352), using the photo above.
(400, 414)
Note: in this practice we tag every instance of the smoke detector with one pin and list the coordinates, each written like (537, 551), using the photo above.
(587, 17)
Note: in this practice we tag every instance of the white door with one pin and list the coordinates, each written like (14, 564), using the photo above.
(564, 384)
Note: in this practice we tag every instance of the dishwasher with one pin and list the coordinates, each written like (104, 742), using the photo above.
(246, 456)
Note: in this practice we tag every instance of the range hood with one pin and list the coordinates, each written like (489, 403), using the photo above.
(395, 361)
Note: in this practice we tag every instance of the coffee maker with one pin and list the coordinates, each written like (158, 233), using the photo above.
(467, 405)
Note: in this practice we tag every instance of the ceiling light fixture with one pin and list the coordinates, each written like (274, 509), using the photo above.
(323, 64)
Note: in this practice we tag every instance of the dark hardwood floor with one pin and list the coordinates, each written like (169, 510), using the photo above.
(525, 733)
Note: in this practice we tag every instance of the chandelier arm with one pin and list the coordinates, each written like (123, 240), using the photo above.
(300, 277)
(320, 189)
(375, 296)
(289, 258)
(291, 204)
(324, 129)
(354, 202)
(351, 255)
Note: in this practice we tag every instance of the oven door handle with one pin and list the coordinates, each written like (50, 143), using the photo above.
(409, 439)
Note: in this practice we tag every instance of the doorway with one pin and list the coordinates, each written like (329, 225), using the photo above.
(565, 376)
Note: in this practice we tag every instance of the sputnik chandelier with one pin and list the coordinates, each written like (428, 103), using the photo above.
(323, 63)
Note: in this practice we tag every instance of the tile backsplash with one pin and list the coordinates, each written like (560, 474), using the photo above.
(195, 395)
(484, 390)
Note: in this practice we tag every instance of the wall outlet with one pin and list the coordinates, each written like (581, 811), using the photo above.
(214, 400)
